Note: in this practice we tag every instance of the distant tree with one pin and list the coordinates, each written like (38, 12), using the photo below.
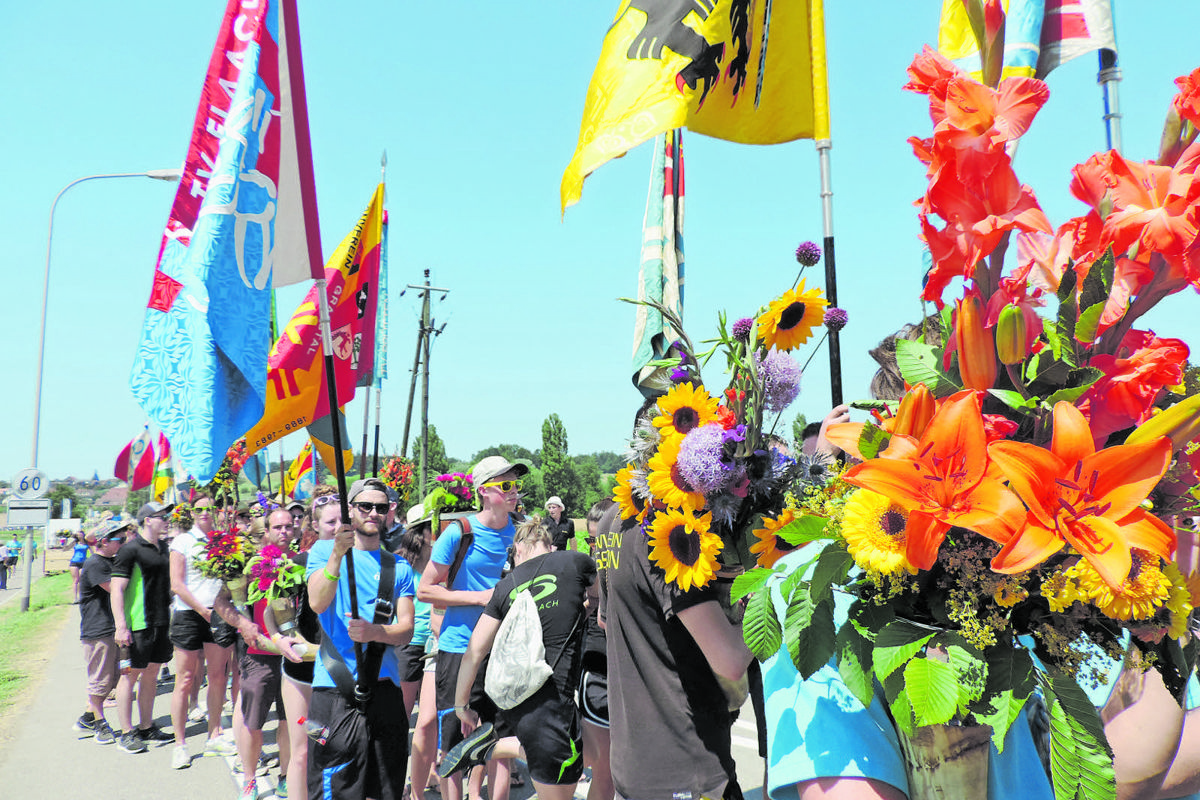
(533, 492)
(588, 472)
(137, 499)
(512, 452)
(60, 492)
(798, 433)
(436, 460)
(608, 461)
(558, 470)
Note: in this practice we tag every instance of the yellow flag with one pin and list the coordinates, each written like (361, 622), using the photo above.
(1022, 37)
(750, 72)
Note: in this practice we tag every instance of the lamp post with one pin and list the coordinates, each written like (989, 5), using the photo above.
(156, 174)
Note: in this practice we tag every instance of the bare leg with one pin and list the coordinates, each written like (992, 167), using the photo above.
(147, 688)
(216, 664)
(186, 663)
(125, 698)
(424, 741)
(296, 698)
(595, 755)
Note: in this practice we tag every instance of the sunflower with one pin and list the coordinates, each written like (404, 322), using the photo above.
(874, 529)
(666, 484)
(789, 320)
(623, 493)
(769, 547)
(1179, 603)
(1143, 592)
(683, 408)
(684, 548)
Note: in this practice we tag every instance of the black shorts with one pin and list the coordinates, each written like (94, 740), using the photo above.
(365, 753)
(260, 681)
(445, 682)
(150, 646)
(411, 664)
(593, 698)
(548, 727)
(189, 630)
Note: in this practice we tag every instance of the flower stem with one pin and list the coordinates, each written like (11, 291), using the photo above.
(816, 347)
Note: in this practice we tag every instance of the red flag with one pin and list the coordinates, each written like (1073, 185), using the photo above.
(135, 464)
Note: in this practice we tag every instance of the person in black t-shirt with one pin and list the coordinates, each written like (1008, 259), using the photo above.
(561, 527)
(548, 725)
(96, 632)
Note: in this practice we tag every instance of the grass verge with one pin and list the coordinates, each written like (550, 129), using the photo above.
(24, 635)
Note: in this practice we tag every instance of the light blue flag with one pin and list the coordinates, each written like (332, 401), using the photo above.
(255, 470)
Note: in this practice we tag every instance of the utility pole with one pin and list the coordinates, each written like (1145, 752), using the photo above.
(425, 336)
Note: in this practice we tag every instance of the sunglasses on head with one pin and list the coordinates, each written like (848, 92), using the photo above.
(324, 500)
(505, 486)
(378, 508)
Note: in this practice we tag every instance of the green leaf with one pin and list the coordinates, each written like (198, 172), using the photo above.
(1013, 399)
(1068, 313)
(833, 566)
(1050, 329)
(869, 619)
(932, 691)
(1080, 757)
(749, 582)
(1088, 324)
(1098, 284)
(872, 439)
(1010, 681)
(812, 643)
(970, 675)
(1053, 377)
(921, 363)
(854, 663)
(902, 711)
(804, 529)
(896, 644)
(760, 626)
(1078, 382)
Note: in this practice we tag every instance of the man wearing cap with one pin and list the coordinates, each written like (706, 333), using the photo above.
(561, 527)
(364, 751)
(296, 509)
(141, 607)
(97, 629)
(497, 486)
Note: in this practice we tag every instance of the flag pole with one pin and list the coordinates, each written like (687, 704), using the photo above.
(316, 263)
(1108, 78)
(835, 350)
(282, 480)
(366, 422)
(380, 369)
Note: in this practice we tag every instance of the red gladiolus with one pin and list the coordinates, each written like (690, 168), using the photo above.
(1132, 382)
(1187, 102)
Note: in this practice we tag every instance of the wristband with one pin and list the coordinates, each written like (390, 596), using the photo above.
(329, 575)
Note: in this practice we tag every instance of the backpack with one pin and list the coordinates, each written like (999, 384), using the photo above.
(517, 667)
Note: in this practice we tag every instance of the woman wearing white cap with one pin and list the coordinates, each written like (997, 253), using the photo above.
(561, 527)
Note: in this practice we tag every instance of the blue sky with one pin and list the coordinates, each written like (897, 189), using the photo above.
(478, 107)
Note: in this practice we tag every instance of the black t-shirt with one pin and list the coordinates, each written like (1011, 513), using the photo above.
(669, 718)
(148, 595)
(558, 582)
(561, 531)
(95, 610)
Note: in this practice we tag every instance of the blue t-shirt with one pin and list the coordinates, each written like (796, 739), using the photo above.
(480, 571)
(79, 554)
(866, 745)
(421, 612)
(335, 619)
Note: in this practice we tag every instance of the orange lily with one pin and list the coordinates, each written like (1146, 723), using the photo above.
(1086, 498)
(943, 480)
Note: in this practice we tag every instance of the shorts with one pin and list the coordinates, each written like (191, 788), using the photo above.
(76, 564)
(260, 676)
(223, 634)
(593, 698)
(100, 656)
(150, 646)
(449, 727)
(365, 752)
(410, 662)
(190, 631)
(548, 727)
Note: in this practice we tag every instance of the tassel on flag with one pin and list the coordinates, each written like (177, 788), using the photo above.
(135, 463)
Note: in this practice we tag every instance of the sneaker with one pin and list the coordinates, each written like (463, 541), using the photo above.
(281, 788)
(219, 746)
(250, 789)
(154, 734)
(85, 726)
(104, 734)
(197, 714)
(470, 752)
(180, 758)
(131, 743)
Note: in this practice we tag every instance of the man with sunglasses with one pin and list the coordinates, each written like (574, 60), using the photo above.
(498, 491)
(366, 750)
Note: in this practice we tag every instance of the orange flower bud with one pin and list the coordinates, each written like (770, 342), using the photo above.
(976, 350)
(1010, 335)
(916, 409)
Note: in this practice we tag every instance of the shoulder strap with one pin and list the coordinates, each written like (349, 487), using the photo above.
(335, 665)
(464, 545)
(385, 610)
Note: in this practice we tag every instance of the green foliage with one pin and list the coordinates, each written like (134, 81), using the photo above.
(533, 492)
(872, 440)
(802, 530)
(760, 627)
(919, 363)
(1080, 758)
(931, 690)
(512, 452)
(558, 470)
(60, 492)
(436, 460)
(608, 461)
(898, 642)
(808, 632)
(855, 663)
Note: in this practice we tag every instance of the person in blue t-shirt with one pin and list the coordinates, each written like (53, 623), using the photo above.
(498, 489)
(365, 752)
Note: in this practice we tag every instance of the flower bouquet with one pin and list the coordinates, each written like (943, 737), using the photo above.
(453, 494)
(277, 579)
(181, 516)
(397, 473)
(702, 468)
(1010, 525)
(223, 486)
(223, 555)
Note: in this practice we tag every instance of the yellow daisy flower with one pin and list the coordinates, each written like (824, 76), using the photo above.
(1009, 593)
(789, 320)
(684, 548)
(1179, 603)
(683, 408)
(666, 484)
(631, 505)
(769, 547)
(874, 529)
(1141, 594)
(1060, 591)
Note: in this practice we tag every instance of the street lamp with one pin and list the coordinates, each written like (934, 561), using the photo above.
(158, 175)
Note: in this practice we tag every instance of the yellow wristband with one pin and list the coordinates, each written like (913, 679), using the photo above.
(330, 575)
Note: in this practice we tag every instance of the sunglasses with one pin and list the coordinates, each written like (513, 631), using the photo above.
(325, 500)
(505, 486)
(378, 508)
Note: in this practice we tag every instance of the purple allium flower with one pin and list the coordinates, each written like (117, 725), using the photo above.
(736, 434)
(679, 374)
(836, 319)
(742, 329)
(700, 458)
(780, 378)
(808, 254)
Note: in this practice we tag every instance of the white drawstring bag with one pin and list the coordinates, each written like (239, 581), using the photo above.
(517, 667)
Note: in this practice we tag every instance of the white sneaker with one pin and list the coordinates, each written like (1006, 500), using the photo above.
(180, 758)
(197, 714)
(219, 746)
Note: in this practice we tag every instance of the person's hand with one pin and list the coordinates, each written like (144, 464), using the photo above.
(360, 630)
(343, 542)
(122, 636)
(468, 719)
(837, 416)
(249, 632)
(287, 649)
(207, 614)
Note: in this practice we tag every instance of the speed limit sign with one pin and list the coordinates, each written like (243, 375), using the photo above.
(30, 484)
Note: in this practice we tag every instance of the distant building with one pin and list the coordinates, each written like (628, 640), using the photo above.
(115, 497)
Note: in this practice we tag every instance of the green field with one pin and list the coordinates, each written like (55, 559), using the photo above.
(24, 634)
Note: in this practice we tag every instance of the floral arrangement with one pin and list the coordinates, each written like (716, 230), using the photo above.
(181, 516)
(223, 486)
(398, 473)
(1027, 483)
(263, 505)
(702, 467)
(273, 575)
(453, 492)
(223, 554)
